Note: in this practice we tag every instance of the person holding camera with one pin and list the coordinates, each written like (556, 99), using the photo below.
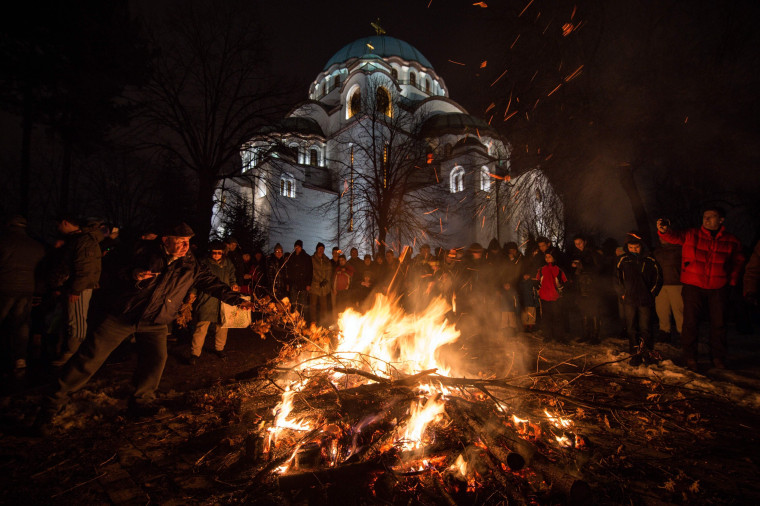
(322, 271)
(711, 261)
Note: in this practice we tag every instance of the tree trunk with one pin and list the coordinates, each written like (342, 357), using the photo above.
(26, 147)
(204, 209)
(628, 182)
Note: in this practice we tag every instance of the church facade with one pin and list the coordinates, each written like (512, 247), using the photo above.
(379, 157)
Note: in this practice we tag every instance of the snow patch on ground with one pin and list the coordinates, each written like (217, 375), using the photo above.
(739, 386)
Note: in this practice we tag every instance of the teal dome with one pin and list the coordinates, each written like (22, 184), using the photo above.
(384, 46)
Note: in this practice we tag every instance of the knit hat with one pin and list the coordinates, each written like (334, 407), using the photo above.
(299, 242)
(278, 246)
(180, 229)
(319, 244)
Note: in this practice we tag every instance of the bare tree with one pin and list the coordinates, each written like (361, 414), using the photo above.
(209, 93)
(387, 187)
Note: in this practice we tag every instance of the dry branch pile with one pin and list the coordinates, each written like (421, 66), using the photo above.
(377, 424)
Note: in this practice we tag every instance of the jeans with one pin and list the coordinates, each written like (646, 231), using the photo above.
(318, 317)
(644, 314)
(151, 358)
(299, 300)
(695, 302)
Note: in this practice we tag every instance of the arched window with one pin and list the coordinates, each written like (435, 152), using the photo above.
(247, 157)
(336, 81)
(412, 78)
(456, 179)
(324, 88)
(485, 179)
(355, 103)
(313, 157)
(394, 74)
(383, 101)
(287, 185)
(427, 85)
(447, 150)
(294, 152)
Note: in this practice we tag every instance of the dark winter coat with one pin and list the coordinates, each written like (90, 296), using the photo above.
(706, 261)
(236, 258)
(587, 268)
(640, 277)
(158, 299)
(300, 271)
(752, 272)
(669, 257)
(322, 273)
(20, 258)
(277, 276)
(513, 268)
(79, 263)
(207, 308)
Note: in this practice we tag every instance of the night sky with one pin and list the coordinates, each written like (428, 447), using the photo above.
(667, 88)
(600, 94)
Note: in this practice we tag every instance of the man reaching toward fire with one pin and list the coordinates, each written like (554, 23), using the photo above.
(147, 297)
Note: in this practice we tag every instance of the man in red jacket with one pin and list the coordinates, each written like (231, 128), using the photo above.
(711, 260)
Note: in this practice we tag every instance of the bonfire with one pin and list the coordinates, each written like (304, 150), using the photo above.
(380, 403)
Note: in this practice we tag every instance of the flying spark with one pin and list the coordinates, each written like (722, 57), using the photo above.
(525, 9)
(497, 79)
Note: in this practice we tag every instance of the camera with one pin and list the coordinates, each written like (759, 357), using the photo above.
(665, 222)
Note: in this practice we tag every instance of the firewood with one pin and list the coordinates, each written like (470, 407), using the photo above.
(495, 435)
(361, 472)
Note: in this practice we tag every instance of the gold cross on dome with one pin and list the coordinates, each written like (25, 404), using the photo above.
(379, 30)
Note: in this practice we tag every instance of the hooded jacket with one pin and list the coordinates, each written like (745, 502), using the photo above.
(707, 261)
(641, 278)
(80, 262)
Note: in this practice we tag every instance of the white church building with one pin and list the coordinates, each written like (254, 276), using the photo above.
(380, 155)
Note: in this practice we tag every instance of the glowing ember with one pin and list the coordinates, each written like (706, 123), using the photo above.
(560, 423)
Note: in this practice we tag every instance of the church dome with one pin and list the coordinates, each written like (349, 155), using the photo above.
(454, 123)
(383, 45)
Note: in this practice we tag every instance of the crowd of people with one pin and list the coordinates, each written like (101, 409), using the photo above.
(136, 290)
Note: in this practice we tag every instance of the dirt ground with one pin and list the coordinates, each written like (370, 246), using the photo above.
(674, 441)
